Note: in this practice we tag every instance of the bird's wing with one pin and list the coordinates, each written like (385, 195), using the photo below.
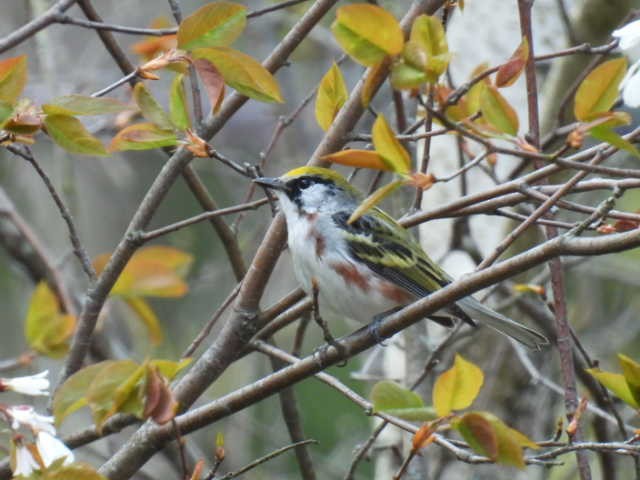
(389, 250)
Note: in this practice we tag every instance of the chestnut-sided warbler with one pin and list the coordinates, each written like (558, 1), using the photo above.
(370, 266)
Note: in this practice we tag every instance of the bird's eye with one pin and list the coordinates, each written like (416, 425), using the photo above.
(304, 183)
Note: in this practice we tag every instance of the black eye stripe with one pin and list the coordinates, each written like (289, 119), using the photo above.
(296, 186)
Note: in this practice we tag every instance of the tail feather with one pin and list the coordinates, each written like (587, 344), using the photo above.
(502, 324)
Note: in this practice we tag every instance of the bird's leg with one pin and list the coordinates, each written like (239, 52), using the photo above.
(315, 312)
(374, 326)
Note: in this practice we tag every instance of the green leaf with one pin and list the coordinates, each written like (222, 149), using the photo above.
(422, 414)
(331, 96)
(616, 383)
(169, 368)
(406, 76)
(71, 396)
(243, 73)
(13, 78)
(373, 199)
(631, 373)
(83, 105)
(143, 136)
(216, 24)
(150, 108)
(70, 134)
(178, 104)
(389, 148)
(429, 42)
(387, 395)
(458, 387)
(111, 388)
(368, 33)
(606, 134)
(599, 90)
(497, 111)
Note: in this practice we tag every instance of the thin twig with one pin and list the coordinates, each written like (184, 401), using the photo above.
(206, 330)
(78, 249)
(34, 26)
(266, 458)
(152, 234)
(563, 336)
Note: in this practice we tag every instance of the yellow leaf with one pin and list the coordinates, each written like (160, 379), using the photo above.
(155, 271)
(458, 387)
(47, 328)
(389, 148)
(631, 372)
(331, 96)
(373, 199)
(243, 73)
(358, 159)
(616, 383)
(148, 317)
(599, 90)
(368, 33)
(497, 111)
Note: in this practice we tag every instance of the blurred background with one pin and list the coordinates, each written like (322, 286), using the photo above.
(103, 194)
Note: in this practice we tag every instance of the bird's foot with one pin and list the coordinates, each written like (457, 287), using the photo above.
(342, 351)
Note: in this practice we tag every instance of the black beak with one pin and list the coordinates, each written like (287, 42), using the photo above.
(272, 183)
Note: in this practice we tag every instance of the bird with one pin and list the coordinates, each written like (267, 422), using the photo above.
(367, 268)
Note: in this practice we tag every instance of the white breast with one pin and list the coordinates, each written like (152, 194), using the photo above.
(345, 288)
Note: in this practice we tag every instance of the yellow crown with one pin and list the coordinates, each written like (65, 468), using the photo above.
(325, 173)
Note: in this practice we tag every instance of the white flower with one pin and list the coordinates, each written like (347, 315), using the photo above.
(629, 37)
(24, 462)
(630, 86)
(27, 416)
(52, 448)
(31, 385)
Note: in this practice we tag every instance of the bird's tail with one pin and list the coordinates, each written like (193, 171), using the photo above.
(502, 324)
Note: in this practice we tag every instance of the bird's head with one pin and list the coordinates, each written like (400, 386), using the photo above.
(308, 190)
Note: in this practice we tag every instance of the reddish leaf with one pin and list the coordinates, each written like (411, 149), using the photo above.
(358, 159)
(212, 81)
(143, 136)
(509, 72)
(160, 403)
(151, 46)
(423, 437)
(13, 78)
